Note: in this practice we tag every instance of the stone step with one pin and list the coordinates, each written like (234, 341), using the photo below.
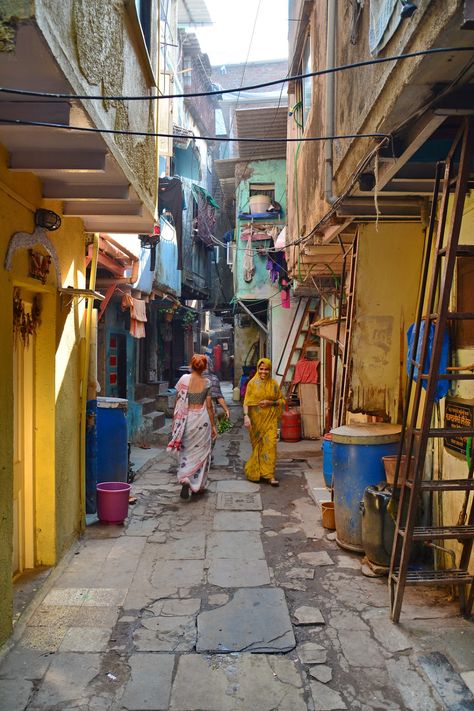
(148, 404)
(155, 420)
(152, 390)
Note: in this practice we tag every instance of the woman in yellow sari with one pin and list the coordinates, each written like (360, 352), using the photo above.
(263, 405)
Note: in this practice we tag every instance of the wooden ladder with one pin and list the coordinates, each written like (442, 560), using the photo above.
(301, 343)
(417, 426)
(341, 399)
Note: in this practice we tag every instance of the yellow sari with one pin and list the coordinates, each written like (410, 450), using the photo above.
(264, 421)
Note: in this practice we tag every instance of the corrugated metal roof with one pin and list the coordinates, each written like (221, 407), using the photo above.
(262, 123)
(193, 12)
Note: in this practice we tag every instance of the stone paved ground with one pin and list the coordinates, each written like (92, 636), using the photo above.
(236, 600)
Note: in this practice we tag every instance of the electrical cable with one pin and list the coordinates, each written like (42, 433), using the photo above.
(220, 92)
(155, 134)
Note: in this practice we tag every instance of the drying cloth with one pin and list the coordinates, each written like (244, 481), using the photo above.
(170, 197)
(306, 371)
(137, 315)
(285, 298)
(384, 20)
(248, 265)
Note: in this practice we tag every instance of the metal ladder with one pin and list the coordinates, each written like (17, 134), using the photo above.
(417, 426)
(298, 349)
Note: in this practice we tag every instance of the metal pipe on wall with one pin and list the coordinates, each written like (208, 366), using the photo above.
(330, 99)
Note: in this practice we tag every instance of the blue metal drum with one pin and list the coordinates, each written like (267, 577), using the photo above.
(357, 463)
(112, 439)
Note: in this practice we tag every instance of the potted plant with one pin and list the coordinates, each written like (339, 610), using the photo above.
(167, 313)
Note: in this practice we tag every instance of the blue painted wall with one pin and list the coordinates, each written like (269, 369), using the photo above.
(261, 171)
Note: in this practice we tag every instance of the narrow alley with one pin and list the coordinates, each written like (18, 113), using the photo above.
(235, 600)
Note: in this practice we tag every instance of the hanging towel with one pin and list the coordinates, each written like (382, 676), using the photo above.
(138, 318)
(248, 264)
(384, 20)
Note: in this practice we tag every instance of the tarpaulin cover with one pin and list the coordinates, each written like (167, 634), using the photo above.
(442, 387)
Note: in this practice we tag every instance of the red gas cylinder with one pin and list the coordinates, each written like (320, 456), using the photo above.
(290, 425)
(217, 355)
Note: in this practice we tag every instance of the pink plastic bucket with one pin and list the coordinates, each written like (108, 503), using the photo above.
(112, 501)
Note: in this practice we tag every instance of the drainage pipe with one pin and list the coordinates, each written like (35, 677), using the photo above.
(330, 100)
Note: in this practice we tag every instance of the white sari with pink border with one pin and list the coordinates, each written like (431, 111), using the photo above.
(191, 438)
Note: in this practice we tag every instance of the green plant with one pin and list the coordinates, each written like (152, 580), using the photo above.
(223, 425)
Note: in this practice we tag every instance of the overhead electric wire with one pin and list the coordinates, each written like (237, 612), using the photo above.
(155, 134)
(219, 92)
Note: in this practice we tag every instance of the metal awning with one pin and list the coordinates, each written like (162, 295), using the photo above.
(270, 122)
(193, 12)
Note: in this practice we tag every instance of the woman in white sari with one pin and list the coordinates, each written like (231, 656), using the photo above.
(193, 428)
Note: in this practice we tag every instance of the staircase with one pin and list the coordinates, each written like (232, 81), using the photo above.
(153, 418)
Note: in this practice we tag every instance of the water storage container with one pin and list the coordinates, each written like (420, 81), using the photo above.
(357, 463)
(326, 447)
(378, 527)
(290, 429)
(112, 439)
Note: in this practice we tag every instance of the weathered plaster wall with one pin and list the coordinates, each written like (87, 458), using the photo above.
(280, 322)
(97, 48)
(261, 171)
(365, 100)
(56, 382)
(456, 467)
(388, 273)
(244, 337)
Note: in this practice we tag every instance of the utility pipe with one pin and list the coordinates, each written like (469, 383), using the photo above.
(330, 100)
(257, 320)
(85, 356)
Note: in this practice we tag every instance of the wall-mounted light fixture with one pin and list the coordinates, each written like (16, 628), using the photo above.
(47, 219)
(408, 8)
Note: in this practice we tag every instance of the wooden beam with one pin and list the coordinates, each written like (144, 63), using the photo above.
(35, 160)
(422, 130)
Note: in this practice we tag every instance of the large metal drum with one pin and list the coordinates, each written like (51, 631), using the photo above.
(357, 463)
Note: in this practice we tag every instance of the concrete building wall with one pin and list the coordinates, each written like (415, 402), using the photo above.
(261, 171)
(53, 443)
(387, 259)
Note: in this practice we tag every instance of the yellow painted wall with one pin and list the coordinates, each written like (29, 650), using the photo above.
(388, 275)
(56, 398)
(455, 467)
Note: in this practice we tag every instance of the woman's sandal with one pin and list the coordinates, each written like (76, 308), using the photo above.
(274, 482)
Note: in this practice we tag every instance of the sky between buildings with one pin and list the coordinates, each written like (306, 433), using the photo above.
(230, 40)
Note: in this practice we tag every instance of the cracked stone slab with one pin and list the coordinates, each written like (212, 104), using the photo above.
(315, 558)
(238, 502)
(325, 698)
(389, 635)
(149, 687)
(300, 574)
(182, 546)
(237, 683)
(312, 653)
(235, 544)
(85, 639)
(255, 620)
(414, 690)
(237, 521)
(166, 634)
(15, 694)
(347, 561)
(238, 573)
(67, 679)
(237, 486)
(306, 615)
(360, 650)
(321, 672)
(177, 574)
(175, 607)
(447, 682)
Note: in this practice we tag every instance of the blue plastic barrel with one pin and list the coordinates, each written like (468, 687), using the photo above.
(112, 439)
(327, 459)
(357, 463)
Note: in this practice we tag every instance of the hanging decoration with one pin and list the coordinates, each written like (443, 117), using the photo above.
(38, 265)
(25, 323)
